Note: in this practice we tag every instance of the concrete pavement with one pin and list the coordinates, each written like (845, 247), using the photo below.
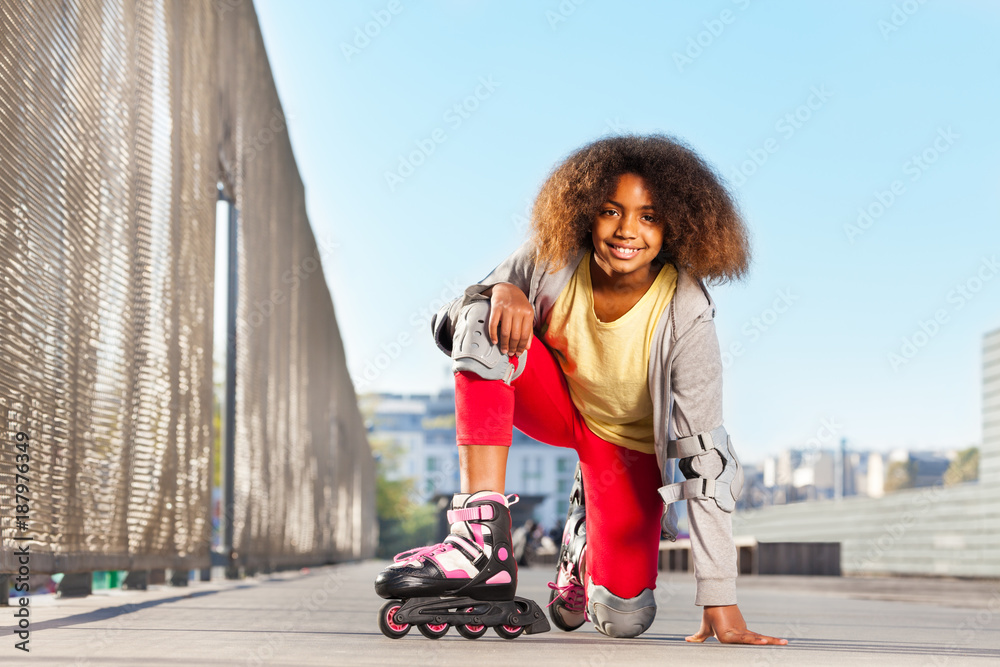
(328, 617)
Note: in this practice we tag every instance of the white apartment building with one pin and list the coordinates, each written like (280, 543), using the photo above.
(422, 429)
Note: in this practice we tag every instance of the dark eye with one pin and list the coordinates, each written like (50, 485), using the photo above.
(648, 218)
(609, 211)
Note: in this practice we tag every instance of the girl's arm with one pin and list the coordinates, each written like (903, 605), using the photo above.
(696, 382)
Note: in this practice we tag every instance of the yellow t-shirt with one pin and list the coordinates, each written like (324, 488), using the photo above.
(607, 363)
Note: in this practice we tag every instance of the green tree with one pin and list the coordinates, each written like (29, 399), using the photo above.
(403, 523)
(900, 475)
(965, 467)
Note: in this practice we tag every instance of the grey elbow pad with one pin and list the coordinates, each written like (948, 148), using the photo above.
(725, 488)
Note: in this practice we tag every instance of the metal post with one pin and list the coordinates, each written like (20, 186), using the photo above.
(75, 585)
(229, 419)
(838, 470)
(136, 580)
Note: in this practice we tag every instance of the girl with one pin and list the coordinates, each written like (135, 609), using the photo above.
(625, 368)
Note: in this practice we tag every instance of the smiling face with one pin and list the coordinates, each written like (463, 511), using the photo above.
(627, 236)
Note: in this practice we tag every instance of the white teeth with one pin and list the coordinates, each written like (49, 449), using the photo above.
(626, 251)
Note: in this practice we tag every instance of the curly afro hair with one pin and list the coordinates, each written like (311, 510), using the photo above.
(703, 231)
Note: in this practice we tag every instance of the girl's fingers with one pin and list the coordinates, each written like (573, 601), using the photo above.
(704, 632)
(525, 334)
(515, 335)
(494, 321)
(750, 637)
(510, 330)
(505, 326)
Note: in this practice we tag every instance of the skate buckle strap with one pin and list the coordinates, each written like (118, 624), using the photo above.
(477, 513)
(509, 373)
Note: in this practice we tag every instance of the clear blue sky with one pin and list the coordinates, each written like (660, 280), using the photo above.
(870, 90)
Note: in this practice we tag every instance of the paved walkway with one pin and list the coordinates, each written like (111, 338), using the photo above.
(328, 617)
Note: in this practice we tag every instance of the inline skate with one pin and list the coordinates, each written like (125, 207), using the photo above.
(568, 600)
(468, 581)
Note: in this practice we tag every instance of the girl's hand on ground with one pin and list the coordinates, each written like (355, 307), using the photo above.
(510, 308)
(727, 625)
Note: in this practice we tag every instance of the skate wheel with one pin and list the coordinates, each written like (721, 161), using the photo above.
(509, 631)
(471, 631)
(433, 631)
(386, 620)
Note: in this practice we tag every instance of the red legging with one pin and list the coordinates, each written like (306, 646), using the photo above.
(623, 507)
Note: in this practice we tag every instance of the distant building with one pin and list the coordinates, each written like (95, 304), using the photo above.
(874, 483)
(927, 467)
(940, 530)
(864, 474)
(795, 475)
(422, 426)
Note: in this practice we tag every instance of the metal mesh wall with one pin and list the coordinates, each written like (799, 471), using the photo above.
(114, 119)
(305, 477)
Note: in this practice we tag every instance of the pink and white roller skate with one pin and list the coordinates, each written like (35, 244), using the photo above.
(468, 581)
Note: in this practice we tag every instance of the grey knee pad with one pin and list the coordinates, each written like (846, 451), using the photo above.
(442, 330)
(472, 349)
(620, 617)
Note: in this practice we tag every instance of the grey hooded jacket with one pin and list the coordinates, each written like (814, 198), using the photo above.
(685, 384)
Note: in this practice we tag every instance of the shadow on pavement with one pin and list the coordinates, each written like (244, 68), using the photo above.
(106, 613)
